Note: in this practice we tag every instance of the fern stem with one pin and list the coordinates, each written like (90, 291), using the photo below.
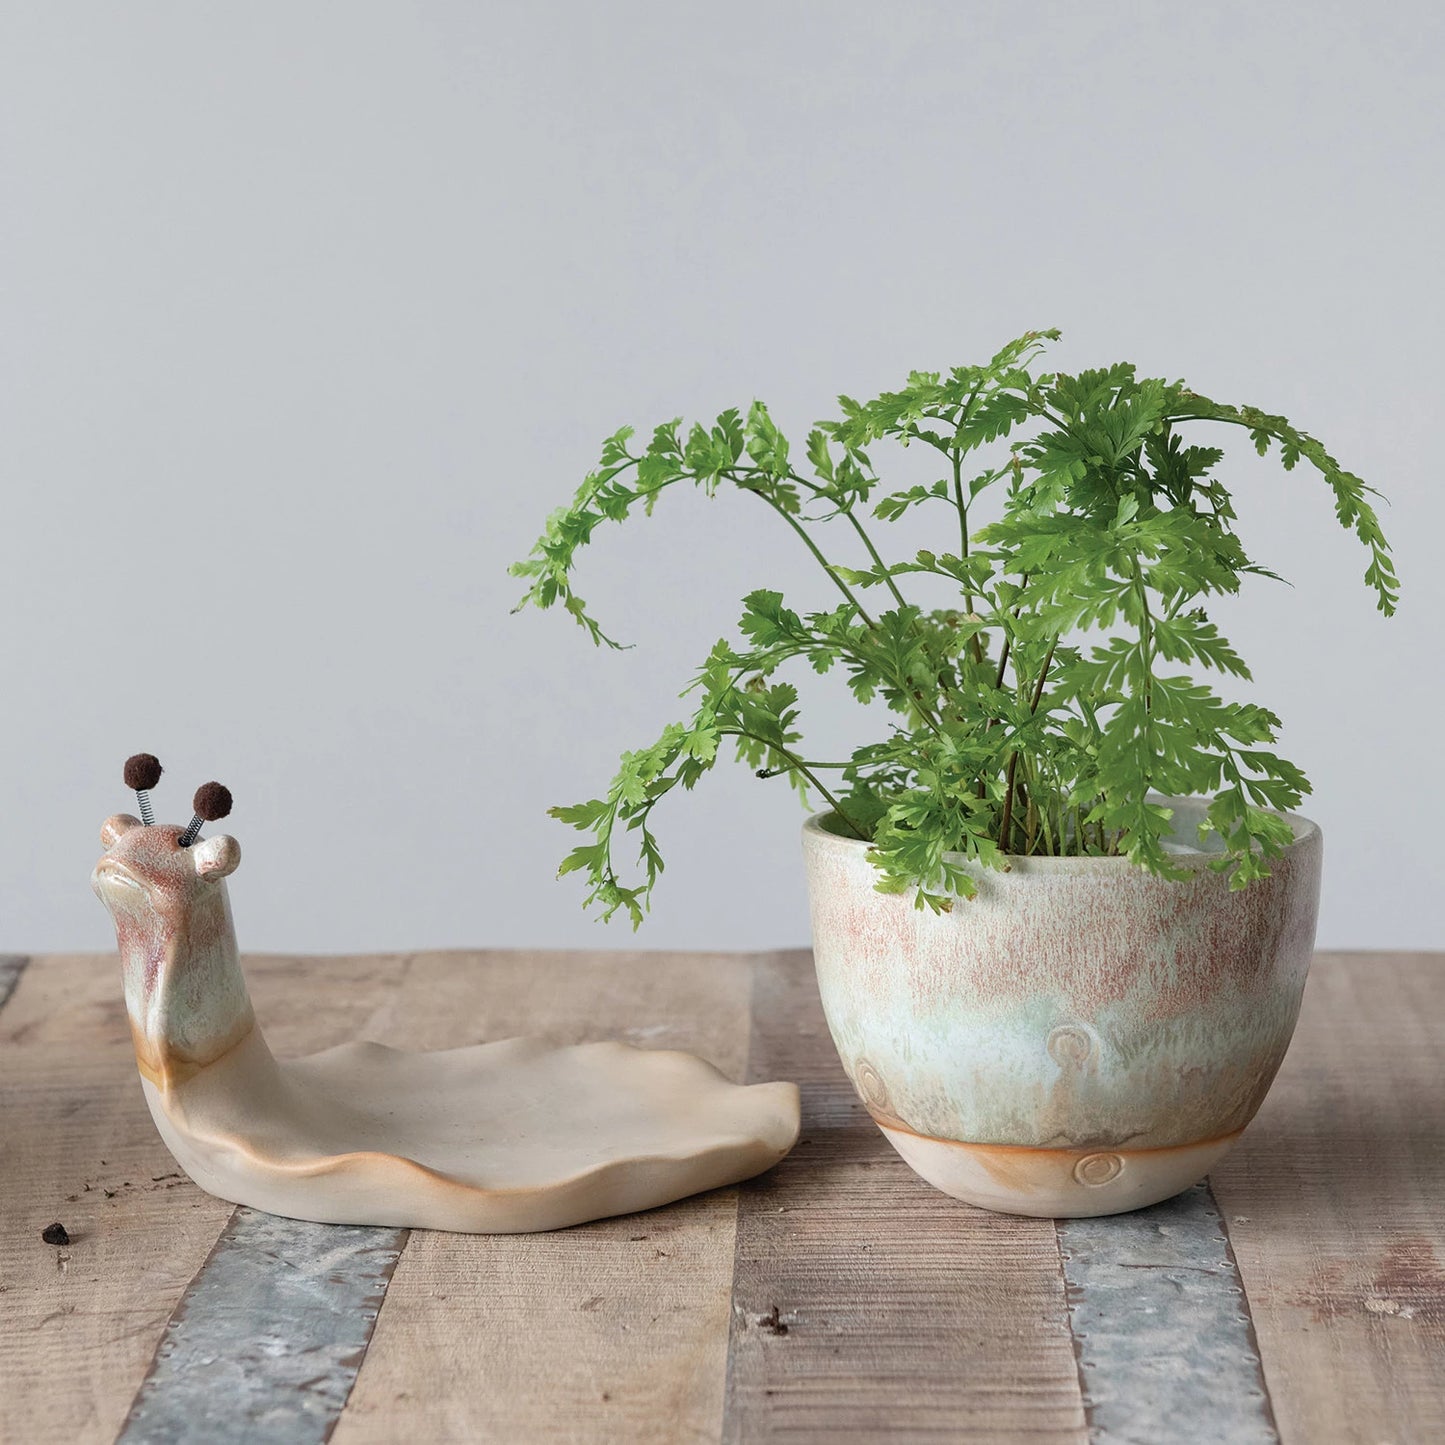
(873, 553)
(1006, 821)
(795, 762)
(812, 546)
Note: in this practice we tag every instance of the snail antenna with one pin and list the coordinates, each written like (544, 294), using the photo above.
(212, 802)
(142, 772)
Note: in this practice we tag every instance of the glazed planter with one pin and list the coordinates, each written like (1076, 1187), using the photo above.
(1082, 1037)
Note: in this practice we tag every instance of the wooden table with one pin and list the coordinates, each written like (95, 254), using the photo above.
(838, 1298)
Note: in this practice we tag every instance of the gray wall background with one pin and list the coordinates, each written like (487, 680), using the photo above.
(311, 312)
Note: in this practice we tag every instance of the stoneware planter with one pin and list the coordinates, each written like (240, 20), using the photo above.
(1081, 1038)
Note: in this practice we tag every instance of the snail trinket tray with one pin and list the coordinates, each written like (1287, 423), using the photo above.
(499, 1137)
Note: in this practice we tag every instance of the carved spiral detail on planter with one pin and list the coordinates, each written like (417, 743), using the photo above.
(1097, 1169)
(1071, 1045)
(872, 1088)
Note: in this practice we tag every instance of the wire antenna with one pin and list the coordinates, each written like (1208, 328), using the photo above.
(212, 802)
(142, 772)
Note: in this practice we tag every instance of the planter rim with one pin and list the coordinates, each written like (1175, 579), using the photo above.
(1186, 810)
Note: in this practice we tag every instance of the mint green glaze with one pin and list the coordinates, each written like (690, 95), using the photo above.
(1074, 1003)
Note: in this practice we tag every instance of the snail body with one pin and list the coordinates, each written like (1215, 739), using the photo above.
(498, 1137)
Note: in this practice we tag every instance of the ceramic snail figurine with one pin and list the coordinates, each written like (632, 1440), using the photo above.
(498, 1137)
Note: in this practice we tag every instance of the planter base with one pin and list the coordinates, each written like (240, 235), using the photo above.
(1057, 1183)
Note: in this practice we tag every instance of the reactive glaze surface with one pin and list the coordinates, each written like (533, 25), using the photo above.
(1081, 1037)
(501, 1137)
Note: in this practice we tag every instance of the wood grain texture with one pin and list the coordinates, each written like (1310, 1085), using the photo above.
(867, 1305)
(82, 1323)
(77, 1147)
(1335, 1201)
(616, 1331)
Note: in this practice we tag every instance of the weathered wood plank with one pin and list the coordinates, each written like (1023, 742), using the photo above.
(81, 1323)
(613, 1331)
(1162, 1329)
(77, 1147)
(867, 1305)
(1335, 1200)
(898, 1312)
(267, 1341)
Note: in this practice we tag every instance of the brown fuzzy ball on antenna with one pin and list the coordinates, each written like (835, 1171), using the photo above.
(142, 772)
(212, 802)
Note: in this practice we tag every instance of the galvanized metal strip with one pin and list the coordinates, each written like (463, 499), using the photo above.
(12, 965)
(1162, 1330)
(267, 1341)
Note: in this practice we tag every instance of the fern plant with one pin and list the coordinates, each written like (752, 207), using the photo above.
(1037, 714)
